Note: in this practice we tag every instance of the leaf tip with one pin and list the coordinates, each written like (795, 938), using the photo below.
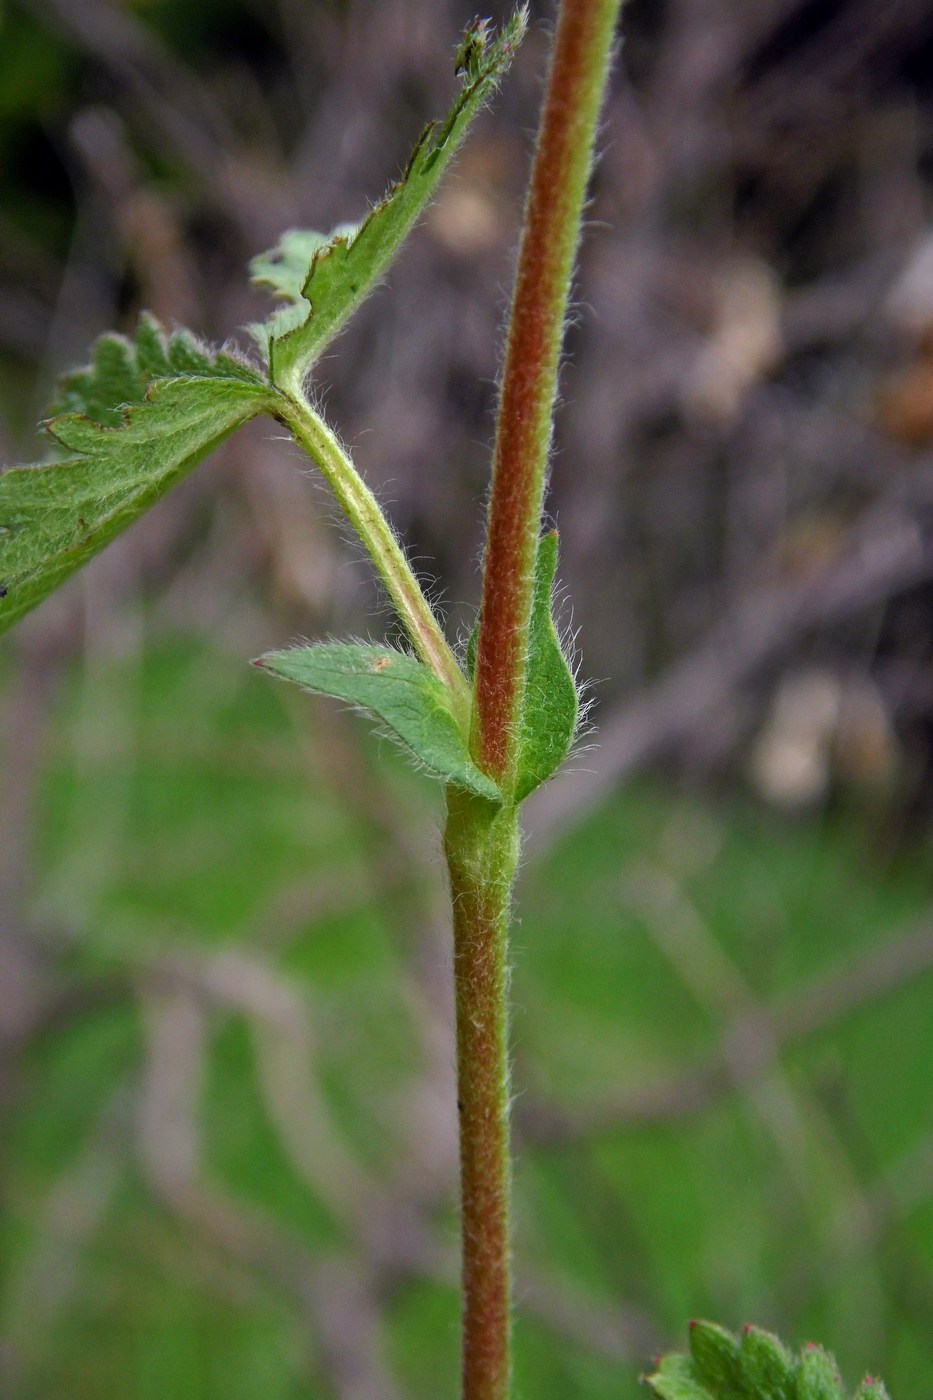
(472, 47)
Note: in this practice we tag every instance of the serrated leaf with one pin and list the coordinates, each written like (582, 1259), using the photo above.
(551, 708)
(676, 1379)
(340, 270)
(283, 271)
(399, 691)
(757, 1367)
(132, 424)
(766, 1366)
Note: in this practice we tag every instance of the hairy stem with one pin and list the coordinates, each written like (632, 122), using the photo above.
(366, 516)
(482, 838)
(481, 844)
(549, 240)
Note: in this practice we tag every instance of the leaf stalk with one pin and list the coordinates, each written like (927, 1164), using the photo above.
(364, 513)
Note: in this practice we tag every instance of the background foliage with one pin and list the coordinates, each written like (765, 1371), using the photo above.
(226, 1063)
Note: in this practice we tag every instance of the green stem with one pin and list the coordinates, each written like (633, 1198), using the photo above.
(365, 515)
(481, 845)
(529, 383)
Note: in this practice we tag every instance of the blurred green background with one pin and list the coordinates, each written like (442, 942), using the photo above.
(228, 1156)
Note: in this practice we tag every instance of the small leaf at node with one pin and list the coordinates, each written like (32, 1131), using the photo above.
(551, 708)
(410, 701)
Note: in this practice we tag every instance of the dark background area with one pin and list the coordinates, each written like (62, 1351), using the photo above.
(228, 1161)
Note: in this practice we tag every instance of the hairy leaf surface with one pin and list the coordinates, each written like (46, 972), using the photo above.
(551, 708)
(399, 691)
(323, 278)
(132, 424)
(755, 1366)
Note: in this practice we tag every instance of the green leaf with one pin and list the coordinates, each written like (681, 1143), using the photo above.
(551, 709)
(818, 1376)
(871, 1389)
(399, 691)
(757, 1367)
(676, 1379)
(132, 424)
(767, 1367)
(325, 278)
(715, 1356)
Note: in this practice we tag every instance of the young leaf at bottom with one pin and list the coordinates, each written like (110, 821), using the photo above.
(714, 1354)
(767, 1368)
(399, 691)
(133, 423)
(676, 1379)
(325, 278)
(755, 1366)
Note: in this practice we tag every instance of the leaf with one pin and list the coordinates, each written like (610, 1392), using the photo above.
(714, 1353)
(324, 279)
(767, 1367)
(818, 1376)
(398, 690)
(552, 707)
(871, 1389)
(132, 424)
(676, 1379)
(756, 1367)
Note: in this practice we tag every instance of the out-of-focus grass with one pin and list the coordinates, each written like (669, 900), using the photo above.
(207, 836)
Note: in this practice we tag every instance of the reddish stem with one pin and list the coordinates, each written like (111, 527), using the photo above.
(481, 844)
(481, 837)
(549, 240)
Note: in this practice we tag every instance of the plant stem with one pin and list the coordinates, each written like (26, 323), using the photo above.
(550, 235)
(481, 845)
(365, 515)
(482, 839)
